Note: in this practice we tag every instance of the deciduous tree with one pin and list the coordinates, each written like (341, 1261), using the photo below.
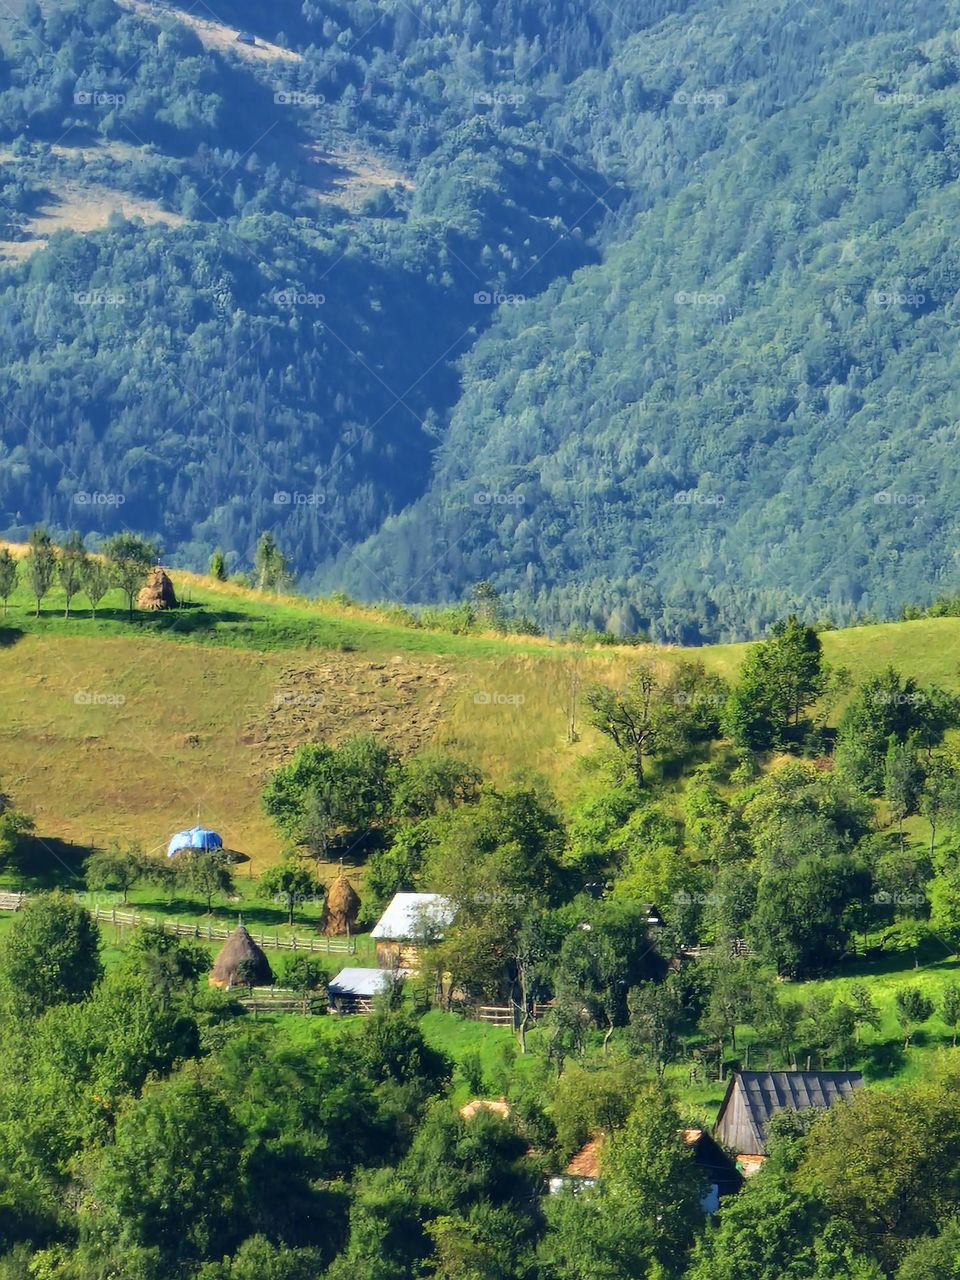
(913, 1009)
(289, 882)
(130, 559)
(51, 955)
(40, 564)
(8, 577)
(72, 565)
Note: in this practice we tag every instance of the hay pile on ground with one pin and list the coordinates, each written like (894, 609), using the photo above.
(157, 592)
(340, 909)
(240, 963)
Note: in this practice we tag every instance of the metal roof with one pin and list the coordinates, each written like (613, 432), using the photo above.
(361, 982)
(753, 1097)
(412, 915)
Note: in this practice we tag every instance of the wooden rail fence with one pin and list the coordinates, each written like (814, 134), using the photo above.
(290, 942)
(211, 932)
(504, 1015)
(281, 1000)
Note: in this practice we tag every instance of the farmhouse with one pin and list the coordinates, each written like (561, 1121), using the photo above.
(409, 922)
(753, 1097)
(353, 990)
(582, 1170)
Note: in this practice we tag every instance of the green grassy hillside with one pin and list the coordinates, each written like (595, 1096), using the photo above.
(128, 729)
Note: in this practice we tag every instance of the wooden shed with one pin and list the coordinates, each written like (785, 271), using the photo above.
(411, 921)
(353, 990)
(753, 1097)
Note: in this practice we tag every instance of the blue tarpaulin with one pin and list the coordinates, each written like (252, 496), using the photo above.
(195, 838)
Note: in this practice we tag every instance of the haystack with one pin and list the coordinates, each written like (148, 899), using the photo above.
(340, 909)
(157, 592)
(240, 963)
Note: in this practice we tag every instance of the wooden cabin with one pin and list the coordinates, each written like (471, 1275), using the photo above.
(411, 921)
(754, 1097)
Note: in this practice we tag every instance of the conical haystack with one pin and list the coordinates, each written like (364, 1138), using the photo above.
(340, 909)
(157, 592)
(240, 963)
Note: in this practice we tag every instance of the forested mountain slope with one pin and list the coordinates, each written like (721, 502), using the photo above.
(750, 404)
(655, 328)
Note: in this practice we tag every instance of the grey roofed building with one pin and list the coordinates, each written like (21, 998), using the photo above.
(752, 1097)
(360, 982)
(410, 915)
(353, 990)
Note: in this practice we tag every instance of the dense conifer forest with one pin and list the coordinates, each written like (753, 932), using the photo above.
(646, 315)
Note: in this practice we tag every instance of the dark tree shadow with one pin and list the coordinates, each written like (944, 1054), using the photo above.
(884, 1059)
(47, 862)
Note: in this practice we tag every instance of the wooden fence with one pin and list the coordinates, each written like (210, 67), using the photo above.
(504, 1015)
(280, 1000)
(212, 932)
(738, 947)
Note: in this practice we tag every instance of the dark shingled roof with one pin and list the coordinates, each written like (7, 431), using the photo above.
(754, 1096)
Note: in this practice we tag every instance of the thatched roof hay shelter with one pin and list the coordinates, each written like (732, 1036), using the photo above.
(157, 592)
(240, 963)
(340, 909)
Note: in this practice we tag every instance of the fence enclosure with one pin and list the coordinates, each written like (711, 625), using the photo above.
(211, 932)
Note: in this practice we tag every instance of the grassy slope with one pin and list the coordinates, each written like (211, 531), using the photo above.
(216, 694)
(213, 695)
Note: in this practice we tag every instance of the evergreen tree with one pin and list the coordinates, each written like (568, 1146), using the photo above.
(218, 565)
(270, 567)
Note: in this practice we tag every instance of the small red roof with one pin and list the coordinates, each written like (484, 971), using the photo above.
(586, 1163)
